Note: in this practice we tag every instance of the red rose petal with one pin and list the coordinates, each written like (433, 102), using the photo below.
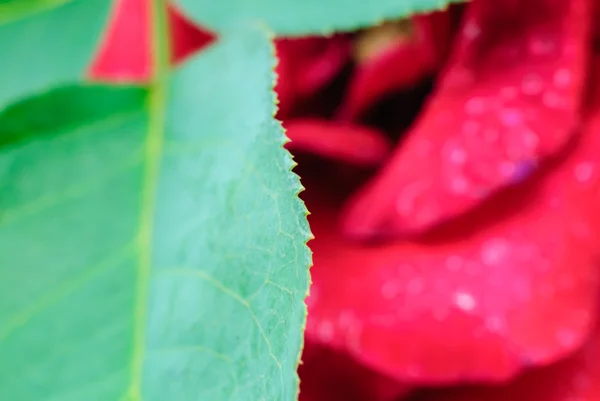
(349, 143)
(574, 379)
(510, 97)
(400, 65)
(186, 37)
(306, 65)
(468, 302)
(326, 375)
(125, 52)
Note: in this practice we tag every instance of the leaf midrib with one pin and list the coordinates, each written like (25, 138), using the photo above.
(153, 153)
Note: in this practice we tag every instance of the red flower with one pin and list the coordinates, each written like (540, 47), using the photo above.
(125, 52)
(471, 254)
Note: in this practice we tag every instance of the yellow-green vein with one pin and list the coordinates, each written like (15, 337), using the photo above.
(153, 150)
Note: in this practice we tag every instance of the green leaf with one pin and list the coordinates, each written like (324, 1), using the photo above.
(152, 246)
(47, 43)
(305, 17)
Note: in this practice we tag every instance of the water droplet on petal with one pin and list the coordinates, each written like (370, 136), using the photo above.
(475, 105)
(552, 99)
(325, 331)
(511, 117)
(532, 85)
(494, 251)
(459, 184)
(584, 171)
(415, 286)
(454, 263)
(471, 30)
(494, 324)
(507, 169)
(464, 301)
(562, 78)
(541, 46)
(567, 338)
(530, 139)
(458, 155)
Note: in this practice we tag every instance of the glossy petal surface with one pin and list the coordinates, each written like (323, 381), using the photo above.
(519, 291)
(509, 98)
(574, 379)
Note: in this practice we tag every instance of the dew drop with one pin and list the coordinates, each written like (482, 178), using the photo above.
(541, 46)
(346, 319)
(464, 301)
(530, 139)
(551, 99)
(475, 105)
(312, 297)
(532, 84)
(562, 78)
(566, 337)
(471, 30)
(459, 185)
(458, 155)
(494, 251)
(325, 331)
(584, 171)
(454, 263)
(415, 286)
(511, 117)
(507, 169)
(494, 324)
(405, 203)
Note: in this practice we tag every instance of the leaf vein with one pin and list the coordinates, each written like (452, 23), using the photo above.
(50, 298)
(75, 191)
(202, 275)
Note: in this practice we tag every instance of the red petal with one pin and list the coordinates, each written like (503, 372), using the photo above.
(468, 302)
(349, 143)
(399, 66)
(186, 37)
(125, 52)
(306, 65)
(510, 97)
(326, 375)
(574, 379)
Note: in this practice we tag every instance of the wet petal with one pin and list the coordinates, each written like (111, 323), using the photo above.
(125, 52)
(344, 142)
(510, 97)
(326, 375)
(406, 59)
(574, 379)
(513, 283)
